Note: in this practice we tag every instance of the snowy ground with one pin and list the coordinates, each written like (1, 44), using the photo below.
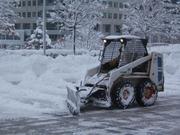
(160, 119)
(32, 84)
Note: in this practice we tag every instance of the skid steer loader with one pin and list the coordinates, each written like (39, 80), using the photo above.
(126, 73)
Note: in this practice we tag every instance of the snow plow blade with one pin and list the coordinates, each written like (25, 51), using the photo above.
(73, 101)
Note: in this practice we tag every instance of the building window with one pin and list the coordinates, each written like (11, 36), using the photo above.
(19, 14)
(50, 2)
(19, 4)
(29, 14)
(40, 14)
(97, 27)
(107, 28)
(110, 3)
(40, 2)
(115, 4)
(117, 28)
(34, 25)
(125, 5)
(2, 36)
(115, 16)
(24, 14)
(18, 26)
(10, 37)
(26, 26)
(34, 2)
(109, 15)
(51, 26)
(104, 15)
(16, 37)
(34, 14)
(24, 3)
(120, 5)
(120, 16)
(104, 2)
(29, 3)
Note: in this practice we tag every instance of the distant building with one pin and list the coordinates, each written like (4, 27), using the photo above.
(111, 22)
(30, 10)
(12, 41)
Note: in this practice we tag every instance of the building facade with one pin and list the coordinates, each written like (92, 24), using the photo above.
(12, 41)
(113, 15)
(30, 10)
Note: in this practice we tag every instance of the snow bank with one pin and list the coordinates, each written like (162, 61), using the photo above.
(35, 84)
(171, 68)
(32, 84)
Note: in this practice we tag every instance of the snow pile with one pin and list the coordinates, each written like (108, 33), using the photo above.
(32, 84)
(172, 73)
(166, 49)
(35, 84)
(171, 68)
(34, 37)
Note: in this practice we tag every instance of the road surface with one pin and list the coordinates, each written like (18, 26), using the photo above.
(160, 119)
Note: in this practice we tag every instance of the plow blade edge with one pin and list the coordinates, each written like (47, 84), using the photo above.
(73, 101)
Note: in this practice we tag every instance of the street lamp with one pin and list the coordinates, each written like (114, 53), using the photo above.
(44, 27)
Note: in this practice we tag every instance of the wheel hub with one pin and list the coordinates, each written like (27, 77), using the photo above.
(149, 92)
(125, 94)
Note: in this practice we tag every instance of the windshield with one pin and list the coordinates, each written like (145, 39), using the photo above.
(121, 52)
(111, 51)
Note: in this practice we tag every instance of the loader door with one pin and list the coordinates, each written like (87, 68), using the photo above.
(134, 49)
(110, 56)
(156, 71)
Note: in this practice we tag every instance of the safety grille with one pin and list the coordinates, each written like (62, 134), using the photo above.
(111, 52)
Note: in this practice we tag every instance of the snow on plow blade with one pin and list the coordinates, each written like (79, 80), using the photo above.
(73, 101)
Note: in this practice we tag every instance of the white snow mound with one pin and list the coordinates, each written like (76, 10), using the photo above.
(36, 84)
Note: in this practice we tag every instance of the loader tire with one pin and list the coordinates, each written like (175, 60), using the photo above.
(123, 95)
(147, 93)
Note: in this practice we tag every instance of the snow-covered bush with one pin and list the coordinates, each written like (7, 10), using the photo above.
(36, 39)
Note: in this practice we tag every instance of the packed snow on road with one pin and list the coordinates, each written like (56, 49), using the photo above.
(32, 84)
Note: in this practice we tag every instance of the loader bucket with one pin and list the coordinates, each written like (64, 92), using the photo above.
(73, 101)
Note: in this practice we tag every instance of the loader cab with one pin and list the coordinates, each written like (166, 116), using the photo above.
(121, 50)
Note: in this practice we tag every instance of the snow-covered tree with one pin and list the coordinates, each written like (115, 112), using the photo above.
(36, 39)
(173, 26)
(7, 15)
(91, 38)
(76, 15)
(146, 17)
